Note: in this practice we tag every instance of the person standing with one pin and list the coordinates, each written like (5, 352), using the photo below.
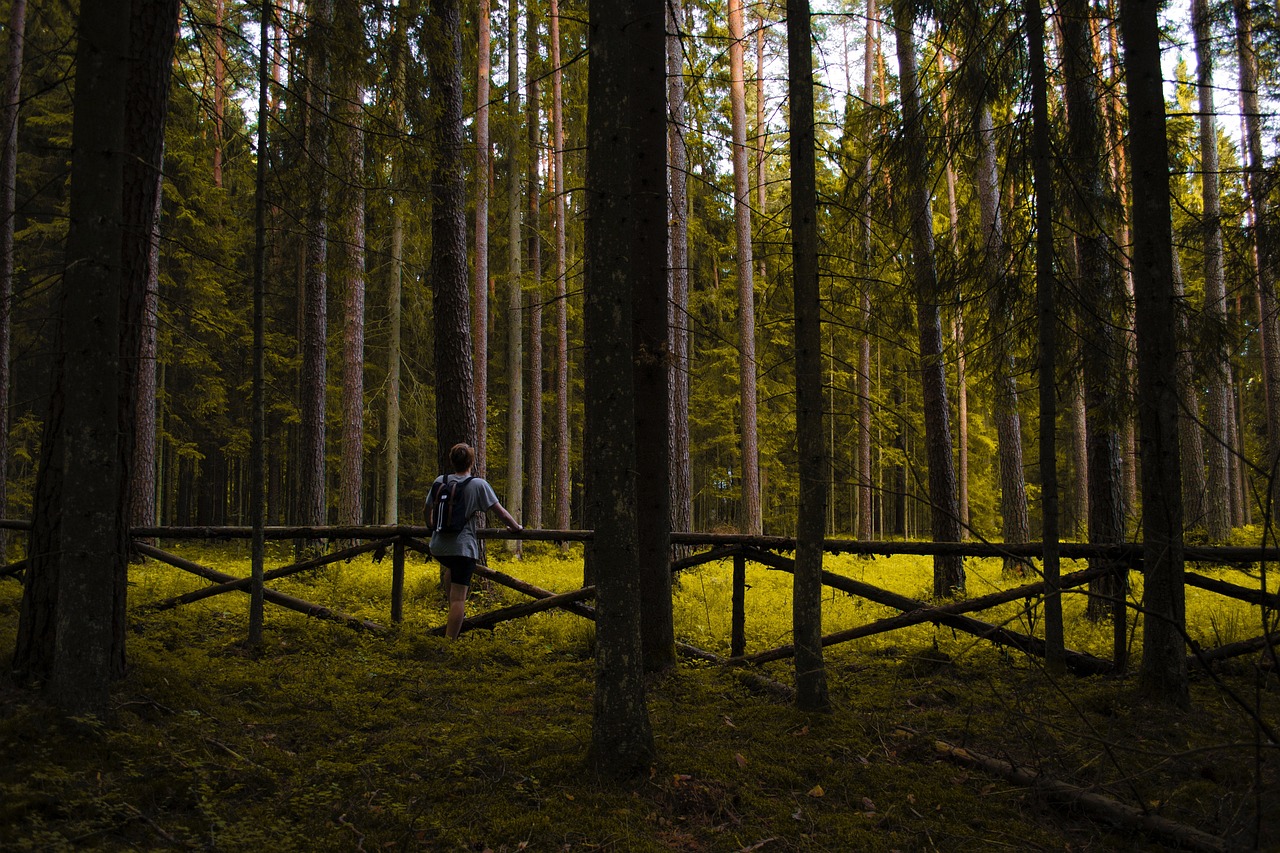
(458, 552)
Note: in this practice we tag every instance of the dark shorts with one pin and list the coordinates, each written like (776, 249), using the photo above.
(460, 568)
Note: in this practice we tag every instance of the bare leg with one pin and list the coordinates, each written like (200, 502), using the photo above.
(457, 608)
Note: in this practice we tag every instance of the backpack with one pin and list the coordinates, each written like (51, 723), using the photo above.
(446, 507)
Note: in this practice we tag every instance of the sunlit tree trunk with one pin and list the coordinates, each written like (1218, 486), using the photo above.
(533, 502)
(455, 405)
(751, 520)
(948, 571)
(1216, 506)
(1164, 656)
(480, 278)
(515, 283)
(811, 680)
(1258, 185)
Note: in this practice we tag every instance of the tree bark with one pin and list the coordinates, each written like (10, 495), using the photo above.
(533, 504)
(455, 406)
(563, 486)
(351, 211)
(948, 571)
(399, 60)
(751, 521)
(313, 502)
(8, 210)
(678, 253)
(865, 478)
(1164, 666)
(1093, 215)
(811, 679)
(1216, 505)
(480, 279)
(515, 283)
(626, 48)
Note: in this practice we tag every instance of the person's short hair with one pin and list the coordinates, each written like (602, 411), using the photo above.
(461, 455)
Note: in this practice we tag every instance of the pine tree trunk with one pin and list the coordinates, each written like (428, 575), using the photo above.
(563, 490)
(455, 404)
(865, 474)
(678, 252)
(1101, 307)
(626, 53)
(1194, 499)
(312, 384)
(813, 471)
(8, 210)
(1258, 185)
(480, 280)
(515, 283)
(391, 487)
(533, 516)
(1216, 506)
(1163, 672)
(351, 474)
(948, 571)
(751, 521)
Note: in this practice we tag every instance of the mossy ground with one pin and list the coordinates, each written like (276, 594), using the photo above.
(329, 739)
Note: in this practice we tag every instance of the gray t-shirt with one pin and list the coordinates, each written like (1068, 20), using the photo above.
(479, 497)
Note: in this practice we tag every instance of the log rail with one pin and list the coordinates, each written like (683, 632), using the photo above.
(741, 548)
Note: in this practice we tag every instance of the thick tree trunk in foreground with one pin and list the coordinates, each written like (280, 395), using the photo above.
(1164, 661)
(455, 409)
(948, 571)
(71, 631)
(811, 678)
(626, 48)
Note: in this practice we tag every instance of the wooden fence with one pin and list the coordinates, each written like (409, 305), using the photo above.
(767, 551)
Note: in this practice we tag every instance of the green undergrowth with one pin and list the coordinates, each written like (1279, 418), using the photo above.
(329, 738)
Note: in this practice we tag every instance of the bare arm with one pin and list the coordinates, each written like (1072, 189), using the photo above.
(507, 519)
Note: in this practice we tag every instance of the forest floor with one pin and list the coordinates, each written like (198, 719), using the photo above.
(333, 739)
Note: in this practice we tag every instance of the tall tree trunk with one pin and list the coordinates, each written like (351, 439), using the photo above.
(515, 283)
(533, 503)
(258, 419)
(391, 495)
(1163, 672)
(72, 623)
(480, 280)
(455, 404)
(562, 482)
(8, 210)
(1258, 185)
(652, 336)
(948, 571)
(751, 521)
(811, 678)
(313, 506)
(1047, 309)
(219, 86)
(1014, 522)
(1093, 214)
(351, 474)
(1191, 445)
(678, 252)
(1216, 506)
(957, 329)
(624, 84)
(865, 478)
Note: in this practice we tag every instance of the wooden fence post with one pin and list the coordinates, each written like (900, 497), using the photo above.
(397, 580)
(1120, 618)
(738, 632)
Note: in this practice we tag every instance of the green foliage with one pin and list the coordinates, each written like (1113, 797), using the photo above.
(328, 739)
